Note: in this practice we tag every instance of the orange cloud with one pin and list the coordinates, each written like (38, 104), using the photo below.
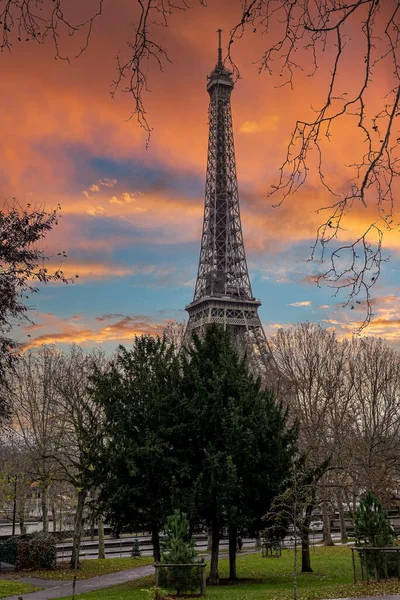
(60, 123)
(384, 323)
(97, 270)
(72, 331)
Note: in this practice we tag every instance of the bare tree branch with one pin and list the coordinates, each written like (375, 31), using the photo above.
(306, 29)
(40, 20)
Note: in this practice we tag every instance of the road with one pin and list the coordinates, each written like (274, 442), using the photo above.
(119, 548)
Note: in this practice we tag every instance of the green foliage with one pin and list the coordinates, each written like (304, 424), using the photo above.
(136, 552)
(9, 551)
(274, 535)
(371, 523)
(155, 592)
(21, 268)
(132, 458)
(373, 528)
(179, 548)
(39, 552)
(237, 438)
(195, 431)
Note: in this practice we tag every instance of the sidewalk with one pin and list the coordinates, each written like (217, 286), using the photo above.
(61, 589)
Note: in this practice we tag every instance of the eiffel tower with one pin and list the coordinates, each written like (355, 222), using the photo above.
(223, 290)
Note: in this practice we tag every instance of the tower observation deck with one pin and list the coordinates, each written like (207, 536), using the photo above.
(223, 291)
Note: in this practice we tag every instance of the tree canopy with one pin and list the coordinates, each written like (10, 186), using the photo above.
(193, 432)
(22, 268)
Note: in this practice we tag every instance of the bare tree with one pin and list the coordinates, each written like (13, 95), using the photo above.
(71, 375)
(312, 366)
(375, 431)
(39, 421)
(16, 493)
(288, 507)
(174, 333)
(298, 34)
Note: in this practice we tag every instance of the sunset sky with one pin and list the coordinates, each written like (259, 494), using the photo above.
(132, 217)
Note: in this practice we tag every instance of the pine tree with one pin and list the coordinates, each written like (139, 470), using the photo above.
(136, 552)
(178, 547)
(371, 523)
(373, 528)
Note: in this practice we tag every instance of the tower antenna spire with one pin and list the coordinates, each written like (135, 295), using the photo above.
(219, 31)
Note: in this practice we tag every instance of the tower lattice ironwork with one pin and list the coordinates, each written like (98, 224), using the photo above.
(223, 291)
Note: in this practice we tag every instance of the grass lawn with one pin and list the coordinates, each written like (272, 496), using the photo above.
(89, 568)
(271, 579)
(11, 588)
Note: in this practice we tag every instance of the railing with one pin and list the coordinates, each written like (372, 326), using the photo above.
(202, 566)
(376, 561)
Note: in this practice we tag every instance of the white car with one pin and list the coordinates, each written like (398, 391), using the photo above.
(316, 525)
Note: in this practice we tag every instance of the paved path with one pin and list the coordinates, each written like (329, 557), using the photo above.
(61, 589)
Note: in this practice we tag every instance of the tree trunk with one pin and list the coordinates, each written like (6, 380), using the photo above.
(116, 532)
(295, 561)
(214, 576)
(232, 553)
(60, 518)
(342, 521)
(102, 550)
(54, 515)
(45, 513)
(78, 528)
(328, 541)
(305, 543)
(209, 541)
(22, 526)
(155, 539)
(258, 542)
(21, 516)
(92, 530)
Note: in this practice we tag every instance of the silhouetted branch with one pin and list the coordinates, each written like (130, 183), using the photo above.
(308, 28)
(42, 19)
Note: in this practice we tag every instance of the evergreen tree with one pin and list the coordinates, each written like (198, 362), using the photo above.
(371, 523)
(134, 460)
(373, 528)
(178, 547)
(237, 440)
(136, 552)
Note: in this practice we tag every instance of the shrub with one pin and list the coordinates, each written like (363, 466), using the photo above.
(136, 552)
(9, 551)
(39, 552)
(373, 528)
(179, 548)
(371, 523)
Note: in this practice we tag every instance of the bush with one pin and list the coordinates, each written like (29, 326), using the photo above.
(179, 548)
(136, 552)
(373, 529)
(39, 552)
(371, 523)
(9, 551)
